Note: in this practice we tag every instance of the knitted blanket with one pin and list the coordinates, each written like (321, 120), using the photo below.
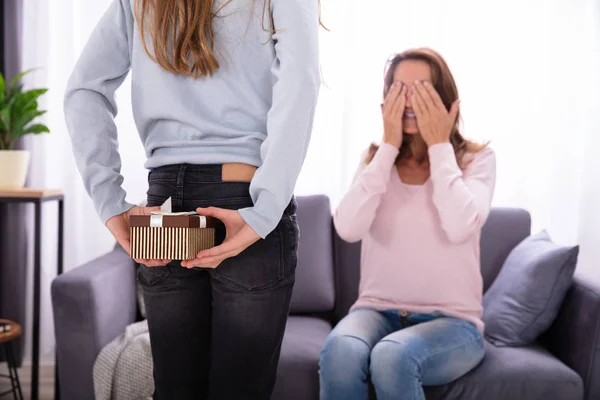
(123, 368)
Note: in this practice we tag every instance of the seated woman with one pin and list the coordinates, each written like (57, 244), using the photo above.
(418, 202)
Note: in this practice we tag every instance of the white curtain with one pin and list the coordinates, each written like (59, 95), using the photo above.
(527, 72)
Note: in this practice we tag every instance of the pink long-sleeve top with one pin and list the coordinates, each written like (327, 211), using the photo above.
(420, 243)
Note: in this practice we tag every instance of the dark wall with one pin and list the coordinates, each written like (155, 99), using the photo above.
(13, 217)
(2, 36)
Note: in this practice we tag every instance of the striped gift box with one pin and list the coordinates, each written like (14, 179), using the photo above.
(170, 236)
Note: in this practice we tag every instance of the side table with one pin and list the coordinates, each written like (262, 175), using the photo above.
(6, 340)
(37, 197)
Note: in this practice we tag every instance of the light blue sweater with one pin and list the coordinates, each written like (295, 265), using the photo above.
(257, 109)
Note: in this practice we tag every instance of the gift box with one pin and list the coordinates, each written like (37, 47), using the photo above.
(164, 235)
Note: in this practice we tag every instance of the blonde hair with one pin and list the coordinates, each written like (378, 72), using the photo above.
(181, 32)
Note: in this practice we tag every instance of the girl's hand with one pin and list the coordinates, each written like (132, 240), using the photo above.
(434, 121)
(239, 236)
(119, 227)
(393, 112)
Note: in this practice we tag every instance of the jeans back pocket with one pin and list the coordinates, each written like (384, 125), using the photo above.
(259, 266)
(149, 276)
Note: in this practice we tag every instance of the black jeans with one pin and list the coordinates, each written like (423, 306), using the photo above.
(216, 333)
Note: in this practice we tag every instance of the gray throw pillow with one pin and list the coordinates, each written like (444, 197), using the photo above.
(525, 298)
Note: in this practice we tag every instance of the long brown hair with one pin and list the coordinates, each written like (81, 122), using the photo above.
(181, 32)
(444, 84)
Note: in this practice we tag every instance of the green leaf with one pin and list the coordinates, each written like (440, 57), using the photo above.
(23, 120)
(26, 101)
(36, 129)
(14, 104)
(13, 91)
(5, 117)
(31, 96)
(34, 93)
(6, 114)
(31, 106)
(18, 110)
(18, 77)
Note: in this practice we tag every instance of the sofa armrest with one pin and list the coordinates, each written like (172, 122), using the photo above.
(92, 305)
(574, 337)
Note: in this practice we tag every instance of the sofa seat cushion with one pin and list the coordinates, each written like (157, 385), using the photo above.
(516, 373)
(298, 373)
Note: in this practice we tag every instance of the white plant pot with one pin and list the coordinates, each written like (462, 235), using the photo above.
(13, 168)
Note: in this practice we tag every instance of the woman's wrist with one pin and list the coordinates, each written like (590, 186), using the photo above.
(394, 142)
(433, 143)
(386, 155)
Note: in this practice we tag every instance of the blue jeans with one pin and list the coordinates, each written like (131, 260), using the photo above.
(397, 352)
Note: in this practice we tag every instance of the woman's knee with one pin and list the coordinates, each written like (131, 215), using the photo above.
(393, 359)
(344, 351)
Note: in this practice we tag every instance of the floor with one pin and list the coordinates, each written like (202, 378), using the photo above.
(46, 388)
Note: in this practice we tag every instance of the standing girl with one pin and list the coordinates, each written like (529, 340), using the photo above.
(223, 95)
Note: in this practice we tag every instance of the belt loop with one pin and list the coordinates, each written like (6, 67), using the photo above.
(181, 175)
(177, 200)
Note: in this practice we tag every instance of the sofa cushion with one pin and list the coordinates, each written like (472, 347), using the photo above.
(514, 373)
(525, 298)
(347, 275)
(504, 229)
(298, 373)
(314, 288)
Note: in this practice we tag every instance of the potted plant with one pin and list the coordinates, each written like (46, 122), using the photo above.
(18, 110)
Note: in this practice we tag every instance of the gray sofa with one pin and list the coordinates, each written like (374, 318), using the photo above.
(93, 304)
